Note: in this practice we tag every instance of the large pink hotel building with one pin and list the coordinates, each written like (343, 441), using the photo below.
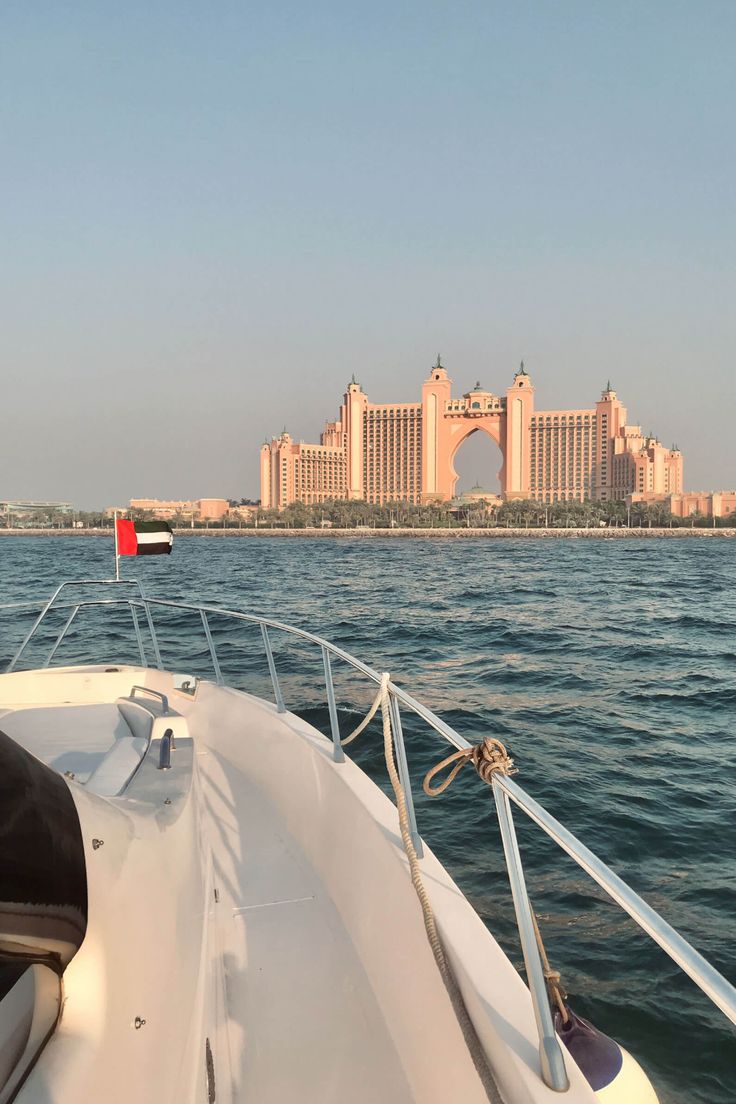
(403, 452)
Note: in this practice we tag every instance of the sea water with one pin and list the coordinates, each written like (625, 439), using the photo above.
(606, 667)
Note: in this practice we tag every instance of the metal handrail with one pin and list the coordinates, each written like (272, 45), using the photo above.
(86, 583)
(19, 605)
(154, 694)
(713, 984)
(505, 791)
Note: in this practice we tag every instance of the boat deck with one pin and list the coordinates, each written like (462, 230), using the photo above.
(317, 1007)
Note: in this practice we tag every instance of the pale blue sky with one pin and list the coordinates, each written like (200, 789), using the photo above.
(213, 214)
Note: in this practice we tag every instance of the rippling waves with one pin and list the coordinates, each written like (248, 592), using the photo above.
(607, 667)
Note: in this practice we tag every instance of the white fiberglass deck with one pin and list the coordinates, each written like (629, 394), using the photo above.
(304, 1023)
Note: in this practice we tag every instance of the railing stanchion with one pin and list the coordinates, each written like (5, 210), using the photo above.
(338, 753)
(554, 1073)
(154, 638)
(403, 768)
(33, 628)
(280, 707)
(720, 991)
(139, 638)
(81, 582)
(61, 635)
(211, 643)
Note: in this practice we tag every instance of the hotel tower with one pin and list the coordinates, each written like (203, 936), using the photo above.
(404, 452)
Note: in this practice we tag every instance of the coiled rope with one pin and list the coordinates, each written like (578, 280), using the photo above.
(467, 1027)
(487, 757)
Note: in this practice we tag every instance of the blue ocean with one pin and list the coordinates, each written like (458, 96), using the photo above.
(605, 666)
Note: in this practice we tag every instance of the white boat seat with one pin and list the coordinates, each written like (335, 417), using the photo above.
(28, 1014)
(138, 716)
(115, 771)
(110, 777)
(144, 721)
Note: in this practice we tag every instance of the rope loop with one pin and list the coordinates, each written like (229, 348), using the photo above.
(489, 756)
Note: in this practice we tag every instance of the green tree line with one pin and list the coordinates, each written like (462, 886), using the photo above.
(350, 514)
(521, 513)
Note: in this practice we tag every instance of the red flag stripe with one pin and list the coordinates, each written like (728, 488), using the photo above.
(127, 539)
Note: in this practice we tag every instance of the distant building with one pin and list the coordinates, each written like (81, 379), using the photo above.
(712, 504)
(162, 508)
(477, 496)
(389, 452)
(23, 508)
(213, 509)
(201, 509)
(242, 512)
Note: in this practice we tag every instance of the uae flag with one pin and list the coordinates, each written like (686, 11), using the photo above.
(143, 538)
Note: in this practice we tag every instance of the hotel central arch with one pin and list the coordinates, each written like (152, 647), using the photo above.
(493, 460)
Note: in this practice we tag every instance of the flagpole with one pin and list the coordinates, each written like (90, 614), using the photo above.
(117, 554)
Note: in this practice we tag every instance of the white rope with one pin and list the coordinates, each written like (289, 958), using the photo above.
(473, 1043)
(365, 722)
(416, 874)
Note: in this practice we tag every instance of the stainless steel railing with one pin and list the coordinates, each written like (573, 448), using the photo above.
(505, 792)
(151, 693)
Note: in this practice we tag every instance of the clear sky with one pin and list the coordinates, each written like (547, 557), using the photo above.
(214, 213)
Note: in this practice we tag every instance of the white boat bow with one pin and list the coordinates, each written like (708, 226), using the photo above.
(232, 916)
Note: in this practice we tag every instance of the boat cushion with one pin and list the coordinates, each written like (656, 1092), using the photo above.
(137, 717)
(121, 761)
(118, 767)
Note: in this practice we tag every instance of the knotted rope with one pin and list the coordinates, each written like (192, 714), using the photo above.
(487, 757)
